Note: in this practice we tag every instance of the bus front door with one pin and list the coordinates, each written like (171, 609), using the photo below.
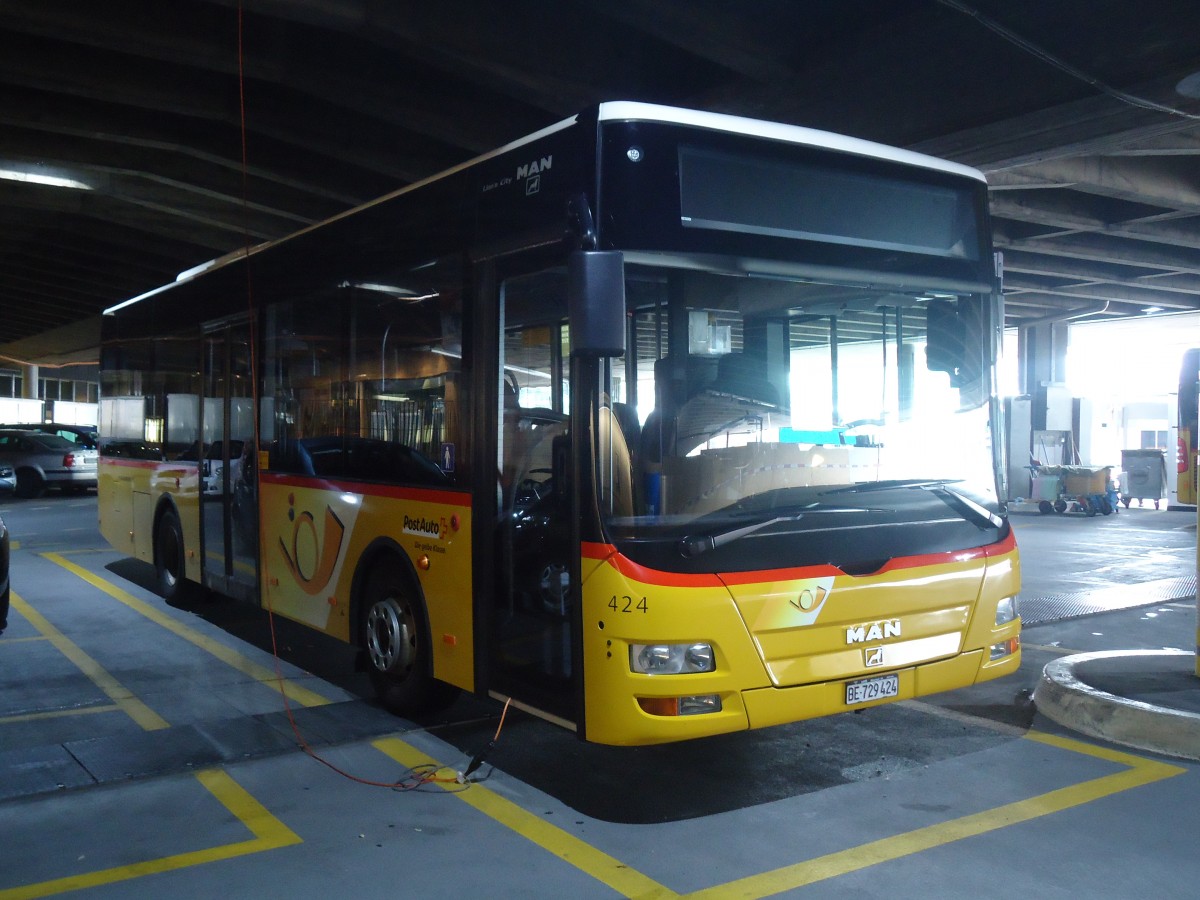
(229, 494)
(533, 620)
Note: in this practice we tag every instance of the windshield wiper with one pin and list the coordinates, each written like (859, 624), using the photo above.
(971, 511)
(869, 487)
(965, 506)
(693, 546)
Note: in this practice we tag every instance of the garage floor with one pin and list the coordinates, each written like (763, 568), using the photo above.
(147, 749)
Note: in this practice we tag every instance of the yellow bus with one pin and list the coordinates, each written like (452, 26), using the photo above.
(1188, 432)
(659, 423)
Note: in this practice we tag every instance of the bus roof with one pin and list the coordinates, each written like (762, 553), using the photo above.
(627, 111)
(616, 111)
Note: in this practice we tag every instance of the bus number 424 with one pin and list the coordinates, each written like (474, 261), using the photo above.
(626, 604)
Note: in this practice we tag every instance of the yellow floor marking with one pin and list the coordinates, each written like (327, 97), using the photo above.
(232, 658)
(269, 834)
(1141, 772)
(631, 883)
(604, 868)
(120, 695)
(58, 714)
(24, 640)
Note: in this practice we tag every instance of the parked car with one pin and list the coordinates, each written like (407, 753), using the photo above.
(4, 586)
(8, 479)
(46, 460)
(84, 435)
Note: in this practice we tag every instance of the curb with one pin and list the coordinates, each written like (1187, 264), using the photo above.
(1070, 702)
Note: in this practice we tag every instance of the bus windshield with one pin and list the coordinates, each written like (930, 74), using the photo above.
(751, 407)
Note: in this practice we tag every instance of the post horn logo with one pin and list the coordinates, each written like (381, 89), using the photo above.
(314, 582)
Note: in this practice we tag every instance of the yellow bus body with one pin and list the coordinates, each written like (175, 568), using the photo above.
(315, 535)
(786, 643)
(130, 491)
(312, 538)
(1186, 471)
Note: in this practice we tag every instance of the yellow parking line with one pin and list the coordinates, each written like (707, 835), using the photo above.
(631, 883)
(232, 658)
(269, 834)
(1141, 772)
(120, 695)
(582, 855)
(58, 714)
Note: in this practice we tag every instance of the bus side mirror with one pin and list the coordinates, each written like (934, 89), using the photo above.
(945, 339)
(596, 302)
(954, 338)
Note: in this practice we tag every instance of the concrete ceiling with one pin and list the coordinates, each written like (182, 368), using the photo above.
(1075, 110)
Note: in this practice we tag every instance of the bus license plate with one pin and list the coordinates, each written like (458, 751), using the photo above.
(868, 689)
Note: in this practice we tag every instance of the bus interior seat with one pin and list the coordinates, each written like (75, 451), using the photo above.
(616, 470)
(627, 419)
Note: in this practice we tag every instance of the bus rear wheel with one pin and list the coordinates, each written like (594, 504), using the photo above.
(169, 557)
(396, 643)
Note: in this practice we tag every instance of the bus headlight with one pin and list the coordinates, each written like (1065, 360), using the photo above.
(1007, 610)
(671, 659)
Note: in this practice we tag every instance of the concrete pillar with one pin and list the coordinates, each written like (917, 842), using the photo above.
(29, 381)
(1042, 351)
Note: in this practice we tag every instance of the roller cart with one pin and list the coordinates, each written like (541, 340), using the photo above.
(1147, 476)
(1086, 489)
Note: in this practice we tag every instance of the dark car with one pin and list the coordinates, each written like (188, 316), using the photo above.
(4, 586)
(47, 460)
(8, 479)
(84, 435)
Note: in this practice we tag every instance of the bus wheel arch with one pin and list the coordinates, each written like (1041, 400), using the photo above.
(392, 633)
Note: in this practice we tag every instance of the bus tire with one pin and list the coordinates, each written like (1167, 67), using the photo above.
(169, 557)
(396, 644)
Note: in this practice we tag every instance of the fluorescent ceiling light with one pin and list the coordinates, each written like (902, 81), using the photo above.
(49, 180)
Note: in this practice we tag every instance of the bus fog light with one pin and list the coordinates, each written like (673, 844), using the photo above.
(671, 659)
(1005, 648)
(1007, 610)
(696, 705)
(699, 704)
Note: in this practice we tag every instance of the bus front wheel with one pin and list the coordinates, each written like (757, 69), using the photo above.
(397, 648)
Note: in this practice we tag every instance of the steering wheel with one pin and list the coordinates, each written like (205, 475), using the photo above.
(530, 490)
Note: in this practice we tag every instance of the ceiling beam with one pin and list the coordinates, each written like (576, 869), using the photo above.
(1166, 182)
(1103, 247)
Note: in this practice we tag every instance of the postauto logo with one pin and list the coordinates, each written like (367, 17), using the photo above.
(423, 527)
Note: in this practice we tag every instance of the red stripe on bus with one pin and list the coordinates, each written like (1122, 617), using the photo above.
(151, 464)
(396, 492)
(608, 553)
